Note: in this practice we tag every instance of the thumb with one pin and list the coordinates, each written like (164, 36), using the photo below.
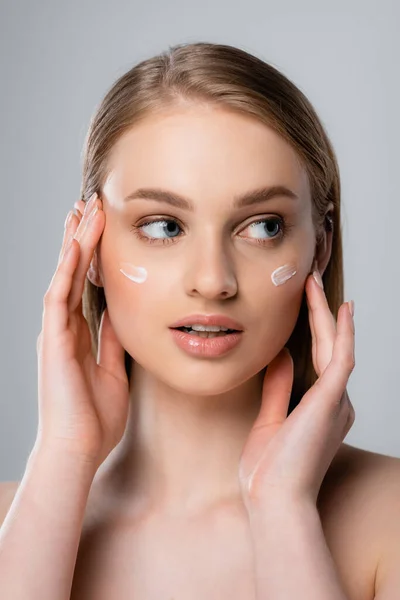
(110, 353)
(276, 391)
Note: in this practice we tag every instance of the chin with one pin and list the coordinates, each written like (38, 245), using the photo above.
(205, 388)
(202, 378)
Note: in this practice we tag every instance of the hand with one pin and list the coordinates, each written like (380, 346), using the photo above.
(83, 402)
(288, 457)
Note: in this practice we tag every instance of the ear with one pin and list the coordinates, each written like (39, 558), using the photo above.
(93, 273)
(323, 249)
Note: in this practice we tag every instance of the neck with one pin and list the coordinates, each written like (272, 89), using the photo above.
(180, 452)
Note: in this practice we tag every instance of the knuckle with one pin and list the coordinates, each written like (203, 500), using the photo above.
(351, 416)
(348, 361)
(47, 298)
(352, 410)
(336, 407)
(342, 408)
(351, 413)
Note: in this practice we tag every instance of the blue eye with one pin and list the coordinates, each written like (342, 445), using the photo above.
(266, 226)
(169, 227)
(151, 239)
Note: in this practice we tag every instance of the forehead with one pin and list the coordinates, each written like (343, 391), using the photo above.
(204, 150)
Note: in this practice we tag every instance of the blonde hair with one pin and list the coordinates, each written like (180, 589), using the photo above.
(225, 76)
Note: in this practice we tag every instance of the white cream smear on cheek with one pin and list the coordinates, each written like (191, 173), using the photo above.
(282, 274)
(136, 274)
(139, 274)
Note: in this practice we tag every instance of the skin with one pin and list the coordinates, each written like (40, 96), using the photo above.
(190, 417)
(82, 426)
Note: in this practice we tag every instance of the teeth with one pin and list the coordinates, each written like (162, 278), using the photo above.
(207, 334)
(214, 328)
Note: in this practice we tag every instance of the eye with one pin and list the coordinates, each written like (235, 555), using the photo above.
(170, 227)
(273, 226)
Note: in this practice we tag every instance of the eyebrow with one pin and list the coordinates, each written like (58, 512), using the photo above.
(253, 197)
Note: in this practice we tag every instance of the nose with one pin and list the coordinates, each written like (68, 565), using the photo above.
(210, 272)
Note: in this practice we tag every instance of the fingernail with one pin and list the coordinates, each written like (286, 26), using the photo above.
(68, 219)
(89, 205)
(351, 307)
(318, 279)
(81, 232)
(67, 246)
(93, 213)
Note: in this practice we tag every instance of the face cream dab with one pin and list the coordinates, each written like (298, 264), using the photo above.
(282, 274)
(136, 274)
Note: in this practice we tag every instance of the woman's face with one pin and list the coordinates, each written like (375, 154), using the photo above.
(214, 258)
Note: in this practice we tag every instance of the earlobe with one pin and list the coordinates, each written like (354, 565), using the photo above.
(94, 277)
(93, 273)
(324, 249)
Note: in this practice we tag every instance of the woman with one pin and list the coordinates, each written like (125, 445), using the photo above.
(168, 465)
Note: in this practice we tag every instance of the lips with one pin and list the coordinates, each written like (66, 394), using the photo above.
(204, 347)
(218, 320)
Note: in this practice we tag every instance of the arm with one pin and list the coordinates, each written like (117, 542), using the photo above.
(40, 535)
(387, 485)
(285, 459)
(291, 556)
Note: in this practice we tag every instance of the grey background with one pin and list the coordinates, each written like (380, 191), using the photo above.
(58, 59)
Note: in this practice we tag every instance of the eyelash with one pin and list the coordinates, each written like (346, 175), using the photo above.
(285, 228)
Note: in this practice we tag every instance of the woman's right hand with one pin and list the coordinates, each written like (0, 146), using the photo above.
(83, 402)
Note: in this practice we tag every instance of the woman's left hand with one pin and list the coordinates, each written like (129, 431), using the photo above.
(288, 457)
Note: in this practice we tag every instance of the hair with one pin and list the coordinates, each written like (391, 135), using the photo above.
(223, 76)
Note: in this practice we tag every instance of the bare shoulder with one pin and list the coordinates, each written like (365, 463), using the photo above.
(8, 490)
(359, 505)
(362, 478)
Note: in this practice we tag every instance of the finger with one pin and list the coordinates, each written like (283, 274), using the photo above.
(88, 235)
(277, 389)
(80, 207)
(83, 215)
(312, 329)
(110, 354)
(71, 224)
(332, 384)
(322, 324)
(313, 339)
(55, 309)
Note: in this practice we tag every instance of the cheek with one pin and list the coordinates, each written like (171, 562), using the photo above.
(132, 303)
(279, 296)
(282, 274)
(134, 273)
(289, 296)
(286, 288)
(290, 274)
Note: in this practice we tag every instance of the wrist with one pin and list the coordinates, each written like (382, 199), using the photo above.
(55, 455)
(278, 506)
